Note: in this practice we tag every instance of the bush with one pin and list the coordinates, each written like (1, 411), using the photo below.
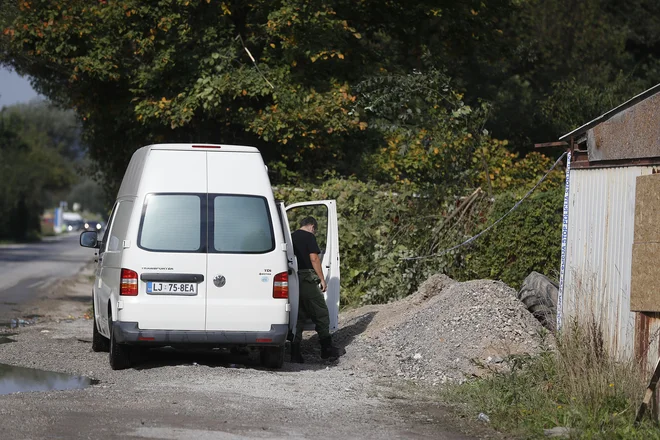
(370, 220)
(380, 226)
(527, 240)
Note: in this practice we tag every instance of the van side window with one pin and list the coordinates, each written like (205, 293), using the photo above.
(241, 224)
(119, 226)
(106, 234)
(172, 223)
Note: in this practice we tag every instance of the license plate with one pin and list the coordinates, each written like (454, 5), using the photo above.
(157, 288)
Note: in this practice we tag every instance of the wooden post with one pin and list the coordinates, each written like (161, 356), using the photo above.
(650, 394)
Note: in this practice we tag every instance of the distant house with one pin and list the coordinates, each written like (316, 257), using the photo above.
(610, 272)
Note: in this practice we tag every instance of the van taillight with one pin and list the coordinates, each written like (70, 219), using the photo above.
(281, 285)
(129, 283)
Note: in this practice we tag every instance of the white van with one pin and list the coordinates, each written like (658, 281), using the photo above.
(197, 252)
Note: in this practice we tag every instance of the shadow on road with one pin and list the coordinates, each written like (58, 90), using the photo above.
(245, 358)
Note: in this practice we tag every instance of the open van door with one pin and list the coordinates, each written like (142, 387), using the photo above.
(325, 212)
(294, 290)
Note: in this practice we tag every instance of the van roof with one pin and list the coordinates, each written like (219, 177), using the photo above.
(131, 180)
(203, 146)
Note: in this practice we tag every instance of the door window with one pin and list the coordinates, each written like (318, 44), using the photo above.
(106, 234)
(241, 224)
(119, 226)
(172, 223)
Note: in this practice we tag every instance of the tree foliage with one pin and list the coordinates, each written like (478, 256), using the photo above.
(36, 147)
(285, 75)
(439, 101)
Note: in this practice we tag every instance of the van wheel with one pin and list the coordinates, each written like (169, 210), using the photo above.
(272, 357)
(120, 354)
(99, 342)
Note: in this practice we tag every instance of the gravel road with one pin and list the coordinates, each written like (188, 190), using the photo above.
(195, 395)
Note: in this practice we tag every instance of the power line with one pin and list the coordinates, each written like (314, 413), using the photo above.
(471, 239)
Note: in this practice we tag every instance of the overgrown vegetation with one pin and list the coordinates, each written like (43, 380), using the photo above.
(36, 154)
(181, 70)
(41, 162)
(580, 385)
(439, 101)
(529, 239)
(381, 227)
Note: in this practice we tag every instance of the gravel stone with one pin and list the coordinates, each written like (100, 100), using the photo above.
(448, 330)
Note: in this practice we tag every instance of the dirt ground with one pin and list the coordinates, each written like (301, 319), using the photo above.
(210, 395)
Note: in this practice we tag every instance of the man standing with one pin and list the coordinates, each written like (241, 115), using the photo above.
(311, 303)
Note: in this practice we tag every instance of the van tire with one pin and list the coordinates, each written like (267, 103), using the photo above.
(120, 354)
(99, 342)
(272, 357)
(539, 294)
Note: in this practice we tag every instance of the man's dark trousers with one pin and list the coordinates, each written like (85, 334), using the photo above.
(312, 305)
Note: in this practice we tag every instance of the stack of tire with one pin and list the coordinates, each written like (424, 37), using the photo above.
(539, 294)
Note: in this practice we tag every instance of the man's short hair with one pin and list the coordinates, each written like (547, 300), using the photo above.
(309, 221)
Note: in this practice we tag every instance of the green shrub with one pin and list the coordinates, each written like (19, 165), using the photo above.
(529, 239)
(381, 226)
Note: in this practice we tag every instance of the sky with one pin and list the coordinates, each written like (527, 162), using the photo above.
(14, 88)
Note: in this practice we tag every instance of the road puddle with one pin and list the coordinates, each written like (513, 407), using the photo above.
(18, 380)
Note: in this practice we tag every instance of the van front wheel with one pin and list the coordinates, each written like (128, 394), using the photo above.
(272, 357)
(120, 354)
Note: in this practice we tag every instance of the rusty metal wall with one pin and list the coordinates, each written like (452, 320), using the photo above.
(598, 260)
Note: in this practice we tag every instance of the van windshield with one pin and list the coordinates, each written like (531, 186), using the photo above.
(241, 224)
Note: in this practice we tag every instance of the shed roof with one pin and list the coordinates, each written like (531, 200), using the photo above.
(605, 116)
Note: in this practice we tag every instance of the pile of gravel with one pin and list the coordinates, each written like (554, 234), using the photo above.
(447, 331)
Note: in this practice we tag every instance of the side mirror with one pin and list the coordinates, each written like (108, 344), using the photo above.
(89, 239)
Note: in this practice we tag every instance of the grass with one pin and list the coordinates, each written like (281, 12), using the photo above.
(577, 385)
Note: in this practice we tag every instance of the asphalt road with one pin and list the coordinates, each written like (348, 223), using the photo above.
(29, 270)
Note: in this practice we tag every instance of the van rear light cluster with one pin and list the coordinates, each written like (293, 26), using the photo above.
(129, 283)
(281, 285)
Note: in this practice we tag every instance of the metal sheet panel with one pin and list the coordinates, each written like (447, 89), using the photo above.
(633, 133)
(598, 259)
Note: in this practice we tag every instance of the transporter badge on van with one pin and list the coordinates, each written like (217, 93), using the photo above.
(219, 281)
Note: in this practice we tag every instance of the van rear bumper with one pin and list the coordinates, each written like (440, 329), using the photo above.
(130, 333)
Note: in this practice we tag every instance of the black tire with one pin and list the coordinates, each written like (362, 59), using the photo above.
(120, 354)
(99, 342)
(272, 357)
(539, 294)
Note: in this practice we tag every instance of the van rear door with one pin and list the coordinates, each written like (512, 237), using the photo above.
(245, 251)
(170, 256)
(325, 213)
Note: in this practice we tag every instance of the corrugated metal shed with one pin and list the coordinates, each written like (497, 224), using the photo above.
(599, 252)
(610, 152)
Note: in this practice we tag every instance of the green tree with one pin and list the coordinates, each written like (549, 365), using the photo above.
(33, 166)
